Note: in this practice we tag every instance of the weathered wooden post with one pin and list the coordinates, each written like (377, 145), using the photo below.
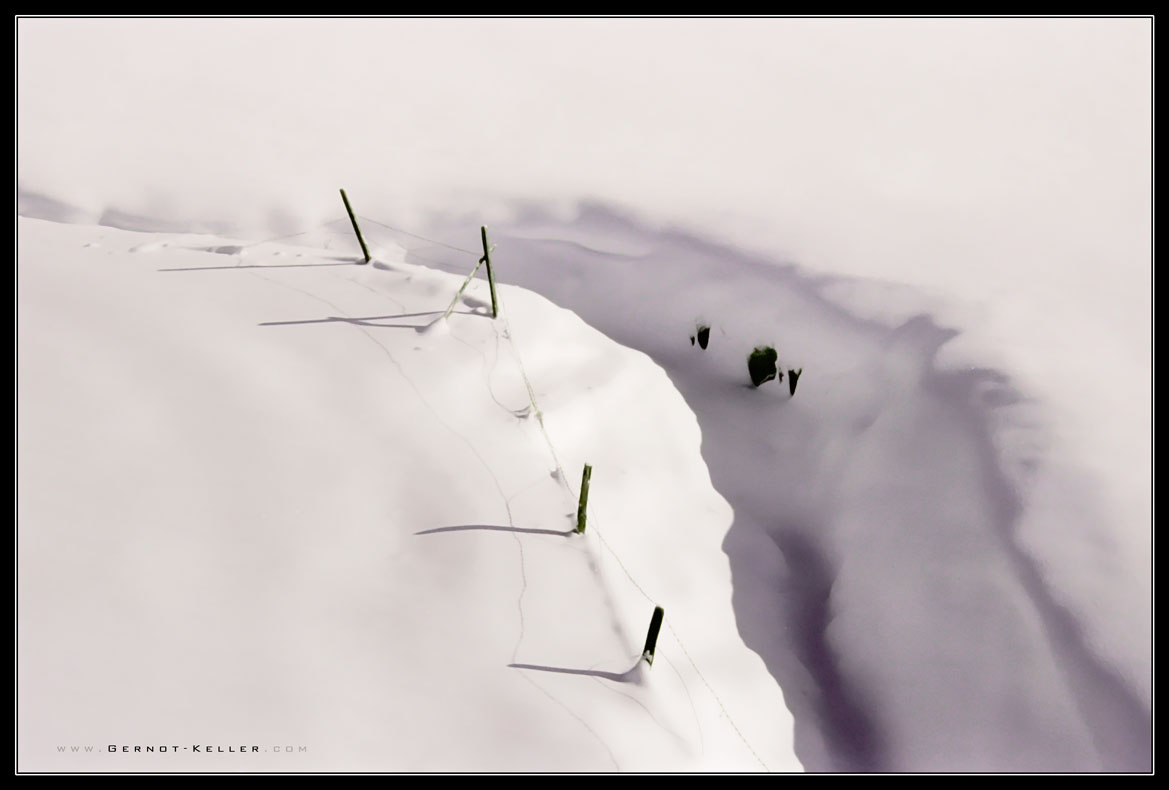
(651, 638)
(490, 274)
(357, 230)
(584, 499)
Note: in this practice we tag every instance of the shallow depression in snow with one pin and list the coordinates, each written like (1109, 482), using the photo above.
(891, 563)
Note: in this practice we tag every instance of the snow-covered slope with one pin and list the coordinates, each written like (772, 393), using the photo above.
(941, 546)
(268, 499)
(930, 580)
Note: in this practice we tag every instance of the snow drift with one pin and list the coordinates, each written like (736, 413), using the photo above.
(941, 546)
(264, 501)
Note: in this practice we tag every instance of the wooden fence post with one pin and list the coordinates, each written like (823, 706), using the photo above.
(584, 499)
(357, 230)
(651, 638)
(490, 274)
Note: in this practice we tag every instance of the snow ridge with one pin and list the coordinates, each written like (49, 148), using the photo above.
(536, 636)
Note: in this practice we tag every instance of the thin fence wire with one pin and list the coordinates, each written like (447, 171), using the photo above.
(290, 235)
(417, 236)
(510, 334)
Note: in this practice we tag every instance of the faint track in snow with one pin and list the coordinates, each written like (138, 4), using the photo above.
(375, 291)
(414, 387)
(678, 738)
(573, 714)
(495, 480)
(755, 292)
(690, 699)
(600, 536)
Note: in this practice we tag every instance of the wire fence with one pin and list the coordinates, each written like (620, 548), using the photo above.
(305, 232)
(509, 335)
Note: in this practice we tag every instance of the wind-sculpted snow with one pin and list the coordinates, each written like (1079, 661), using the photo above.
(887, 542)
(890, 562)
(274, 500)
(941, 545)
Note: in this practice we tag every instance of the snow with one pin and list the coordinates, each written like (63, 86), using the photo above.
(884, 506)
(259, 505)
(939, 548)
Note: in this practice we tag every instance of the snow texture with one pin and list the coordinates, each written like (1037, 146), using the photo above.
(938, 547)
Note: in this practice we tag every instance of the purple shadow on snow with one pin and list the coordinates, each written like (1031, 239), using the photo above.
(375, 321)
(784, 564)
(497, 528)
(627, 676)
(38, 206)
(256, 266)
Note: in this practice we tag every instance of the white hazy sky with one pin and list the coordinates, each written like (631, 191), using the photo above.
(1003, 164)
(934, 146)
